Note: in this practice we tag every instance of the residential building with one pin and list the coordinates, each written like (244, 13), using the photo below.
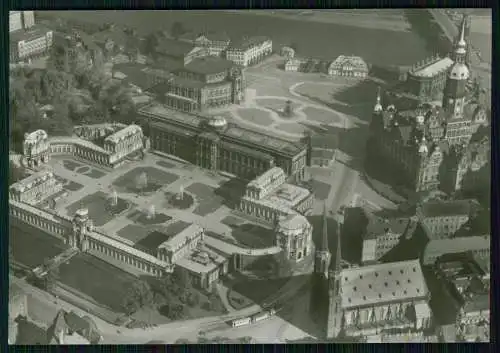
(213, 143)
(383, 234)
(292, 65)
(443, 218)
(269, 197)
(21, 20)
(29, 44)
(370, 300)
(478, 245)
(249, 51)
(348, 66)
(36, 148)
(323, 149)
(294, 236)
(468, 287)
(216, 43)
(427, 78)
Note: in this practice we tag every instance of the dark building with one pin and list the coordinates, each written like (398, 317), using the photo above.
(213, 143)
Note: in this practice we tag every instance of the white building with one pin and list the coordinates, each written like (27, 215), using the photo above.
(29, 44)
(36, 148)
(294, 236)
(249, 51)
(348, 66)
(35, 188)
(292, 65)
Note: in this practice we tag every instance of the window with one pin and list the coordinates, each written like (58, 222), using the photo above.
(393, 294)
(386, 284)
(390, 273)
(364, 297)
(370, 286)
(380, 295)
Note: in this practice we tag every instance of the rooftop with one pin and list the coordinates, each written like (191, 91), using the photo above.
(355, 61)
(122, 134)
(36, 136)
(187, 83)
(201, 260)
(69, 140)
(180, 231)
(208, 65)
(380, 283)
(28, 35)
(32, 180)
(267, 177)
(457, 245)
(378, 226)
(324, 141)
(292, 222)
(321, 153)
(152, 241)
(164, 113)
(284, 198)
(216, 36)
(448, 208)
(433, 68)
(477, 303)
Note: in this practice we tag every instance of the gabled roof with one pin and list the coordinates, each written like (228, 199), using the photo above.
(448, 208)
(217, 36)
(247, 43)
(208, 65)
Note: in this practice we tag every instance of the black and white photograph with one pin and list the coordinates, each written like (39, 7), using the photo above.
(249, 176)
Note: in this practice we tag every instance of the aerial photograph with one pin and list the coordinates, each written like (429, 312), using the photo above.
(249, 176)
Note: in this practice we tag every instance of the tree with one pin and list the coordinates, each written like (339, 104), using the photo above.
(182, 278)
(16, 173)
(177, 29)
(151, 42)
(138, 296)
(283, 266)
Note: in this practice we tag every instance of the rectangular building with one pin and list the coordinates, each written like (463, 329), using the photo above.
(29, 44)
(477, 245)
(348, 66)
(249, 51)
(35, 188)
(427, 79)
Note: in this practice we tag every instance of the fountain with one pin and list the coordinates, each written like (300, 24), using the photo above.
(142, 181)
(114, 199)
(180, 195)
(151, 212)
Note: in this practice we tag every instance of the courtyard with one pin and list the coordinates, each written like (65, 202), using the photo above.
(77, 167)
(144, 179)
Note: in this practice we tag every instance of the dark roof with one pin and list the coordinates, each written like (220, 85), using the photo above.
(447, 208)
(477, 303)
(32, 33)
(174, 47)
(134, 74)
(188, 83)
(379, 226)
(208, 65)
(115, 34)
(151, 242)
(246, 43)
(76, 323)
(176, 228)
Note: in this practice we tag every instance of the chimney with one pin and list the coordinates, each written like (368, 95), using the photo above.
(61, 336)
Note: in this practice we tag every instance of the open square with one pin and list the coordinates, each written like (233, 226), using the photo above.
(152, 180)
(147, 217)
(322, 115)
(320, 189)
(275, 104)
(209, 202)
(98, 205)
(255, 116)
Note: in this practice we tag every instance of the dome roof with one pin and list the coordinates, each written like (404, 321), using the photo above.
(420, 118)
(217, 121)
(459, 71)
(82, 212)
(292, 222)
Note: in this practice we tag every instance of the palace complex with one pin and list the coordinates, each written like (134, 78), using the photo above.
(415, 142)
(213, 143)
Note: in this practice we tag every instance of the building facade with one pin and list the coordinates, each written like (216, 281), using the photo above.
(21, 20)
(427, 79)
(269, 197)
(348, 66)
(29, 44)
(292, 65)
(249, 51)
(125, 142)
(179, 51)
(383, 234)
(443, 218)
(294, 236)
(213, 143)
(36, 148)
(216, 43)
(35, 187)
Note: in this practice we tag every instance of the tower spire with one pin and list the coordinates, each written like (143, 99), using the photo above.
(378, 105)
(461, 46)
(324, 238)
(338, 253)
(461, 40)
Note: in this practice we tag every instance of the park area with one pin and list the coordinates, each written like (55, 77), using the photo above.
(144, 179)
(31, 247)
(83, 169)
(99, 207)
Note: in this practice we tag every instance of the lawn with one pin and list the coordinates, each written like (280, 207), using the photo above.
(320, 189)
(73, 186)
(232, 221)
(293, 128)
(255, 116)
(97, 279)
(82, 170)
(98, 206)
(322, 115)
(155, 179)
(181, 204)
(256, 290)
(95, 174)
(133, 232)
(238, 301)
(71, 165)
(31, 247)
(320, 92)
(253, 236)
(208, 201)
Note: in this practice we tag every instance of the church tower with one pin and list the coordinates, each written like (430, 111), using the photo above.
(455, 89)
(377, 109)
(335, 313)
(319, 305)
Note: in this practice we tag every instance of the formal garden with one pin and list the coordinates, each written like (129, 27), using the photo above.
(144, 180)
